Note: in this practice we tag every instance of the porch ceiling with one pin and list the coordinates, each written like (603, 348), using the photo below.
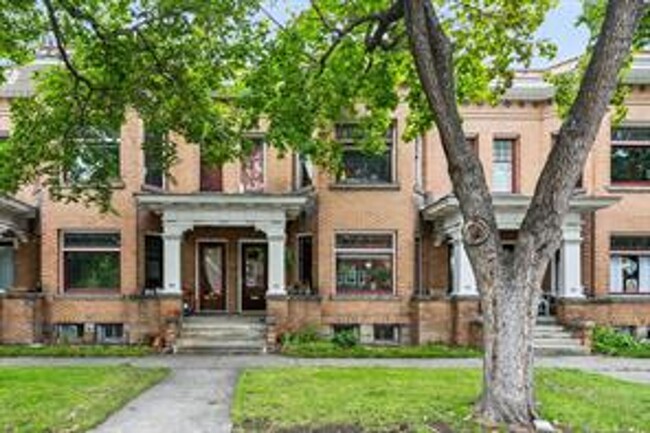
(290, 204)
(447, 206)
(14, 216)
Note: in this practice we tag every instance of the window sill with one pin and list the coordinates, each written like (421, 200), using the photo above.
(629, 188)
(364, 186)
(365, 297)
(152, 188)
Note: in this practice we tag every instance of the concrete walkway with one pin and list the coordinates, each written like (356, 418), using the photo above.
(196, 396)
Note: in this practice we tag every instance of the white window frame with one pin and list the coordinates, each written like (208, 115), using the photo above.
(644, 279)
(513, 143)
(363, 251)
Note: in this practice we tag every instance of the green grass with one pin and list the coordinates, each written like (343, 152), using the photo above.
(67, 399)
(327, 349)
(73, 351)
(382, 399)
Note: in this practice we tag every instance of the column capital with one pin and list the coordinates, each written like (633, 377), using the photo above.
(273, 229)
(173, 230)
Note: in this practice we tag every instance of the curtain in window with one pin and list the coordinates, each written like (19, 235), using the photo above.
(615, 274)
(644, 274)
(6, 267)
(214, 268)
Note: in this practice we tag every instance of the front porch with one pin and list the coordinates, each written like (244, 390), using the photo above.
(224, 253)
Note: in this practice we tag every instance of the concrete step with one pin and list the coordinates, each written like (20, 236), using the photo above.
(543, 334)
(561, 351)
(221, 351)
(224, 334)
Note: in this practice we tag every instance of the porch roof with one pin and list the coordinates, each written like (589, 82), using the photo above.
(14, 216)
(290, 204)
(447, 206)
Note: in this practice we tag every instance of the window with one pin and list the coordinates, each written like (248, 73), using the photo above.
(98, 156)
(110, 333)
(252, 168)
(305, 260)
(364, 263)
(418, 162)
(346, 328)
(70, 332)
(630, 264)
(359, 166)
(153, 266)
(154, 174)
(503, 158)
(304, 171)
(211, 174)
(6, 265)
(386, 333)
(91, 260)
(630, 158)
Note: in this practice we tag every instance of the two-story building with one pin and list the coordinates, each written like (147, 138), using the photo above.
(376, 248)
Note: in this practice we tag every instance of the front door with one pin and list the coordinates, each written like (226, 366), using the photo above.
(212, 277)
(254, 276)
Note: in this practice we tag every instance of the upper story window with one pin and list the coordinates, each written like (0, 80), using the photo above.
(211, 175)
(253, 167)
(98, 156)
(364, 263)
(303, 171)
(504, 178)
(154, 173)
(629, 264)
(91, 260)
(630, 157)
(359, 166)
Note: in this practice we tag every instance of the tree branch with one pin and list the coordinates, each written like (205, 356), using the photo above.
(60, 44)
(541, 228)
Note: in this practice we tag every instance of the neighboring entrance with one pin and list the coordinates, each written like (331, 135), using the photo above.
(211, 291)
(254, 279)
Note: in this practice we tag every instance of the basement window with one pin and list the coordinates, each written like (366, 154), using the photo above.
(110, 333)
(69, 332)
(386, 334)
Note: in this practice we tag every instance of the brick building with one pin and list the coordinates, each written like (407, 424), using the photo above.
(376, 248)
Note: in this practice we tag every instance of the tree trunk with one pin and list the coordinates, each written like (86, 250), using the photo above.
(509, 283)
(509, 314)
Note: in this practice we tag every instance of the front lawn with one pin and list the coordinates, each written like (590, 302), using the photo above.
(64, 350)
(384, 399)
(328, 349)
(67, 399)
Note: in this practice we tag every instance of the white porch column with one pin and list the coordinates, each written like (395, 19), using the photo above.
(464, 283)
(276, 241)
(570, 272)
(172, 238)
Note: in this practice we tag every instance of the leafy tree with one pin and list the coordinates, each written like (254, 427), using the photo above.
(212, 70)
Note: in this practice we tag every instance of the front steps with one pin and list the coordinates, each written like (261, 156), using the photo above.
(222, 335)
(551, 339)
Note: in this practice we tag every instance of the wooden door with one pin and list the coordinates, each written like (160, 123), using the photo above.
(212, 293)
(254, 281)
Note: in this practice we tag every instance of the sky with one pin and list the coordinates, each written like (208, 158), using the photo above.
(559, 26)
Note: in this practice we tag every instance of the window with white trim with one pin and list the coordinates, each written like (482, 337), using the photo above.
(629, 264)
(358, 166)
(91, 260)
(364, 263)
(503, 157)
(630, 157)
(69, 332)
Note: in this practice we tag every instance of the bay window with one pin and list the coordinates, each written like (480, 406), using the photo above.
(630, 155)
(91, 260)
(364, 263)
(630, 264)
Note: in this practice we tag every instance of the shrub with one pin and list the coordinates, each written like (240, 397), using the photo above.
(346, 339)
(307, 334)
(609, 341)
